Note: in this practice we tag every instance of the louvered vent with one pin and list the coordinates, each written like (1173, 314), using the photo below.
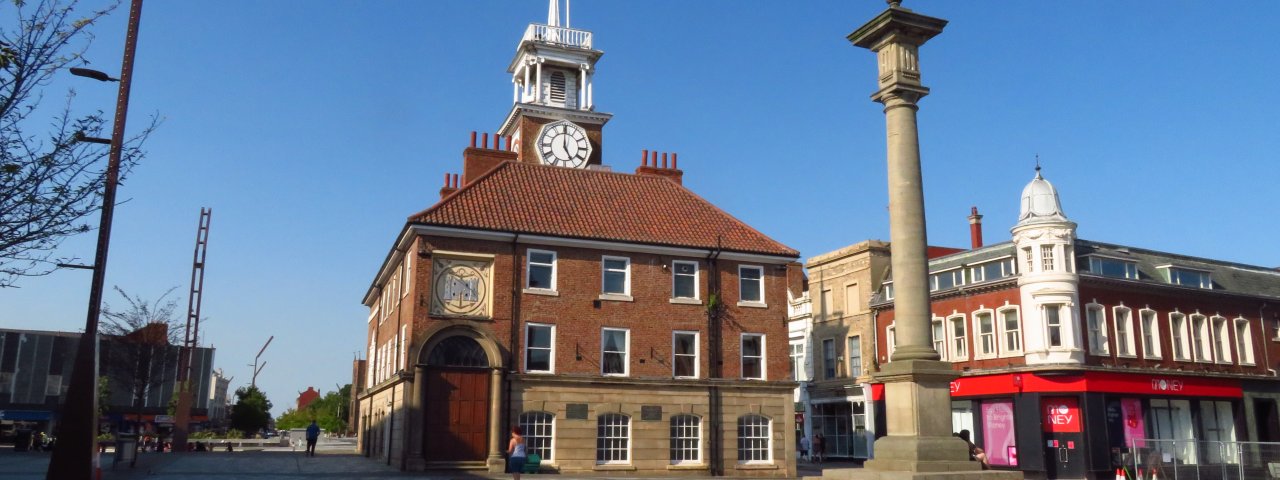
(557, 88)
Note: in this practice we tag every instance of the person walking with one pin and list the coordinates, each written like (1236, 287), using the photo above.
(516, 455)
(804, 448)
(819, 447)
(313, 434)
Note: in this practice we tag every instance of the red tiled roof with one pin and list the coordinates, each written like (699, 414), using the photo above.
(597, 205)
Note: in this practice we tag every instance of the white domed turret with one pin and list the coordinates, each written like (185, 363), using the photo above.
(1047, 281)
(1040, 202)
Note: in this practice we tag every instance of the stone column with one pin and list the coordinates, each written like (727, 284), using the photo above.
(496, 463)
(917, 385)
(414, 421)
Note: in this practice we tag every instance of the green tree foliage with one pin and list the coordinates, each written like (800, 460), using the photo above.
(50, 182)
(331, 412)
(252, 410)
(140, 345)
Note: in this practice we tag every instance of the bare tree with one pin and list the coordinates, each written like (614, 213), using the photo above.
(141, 344)
(50, 180)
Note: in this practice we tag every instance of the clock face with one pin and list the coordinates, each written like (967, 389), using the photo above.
(563, 144)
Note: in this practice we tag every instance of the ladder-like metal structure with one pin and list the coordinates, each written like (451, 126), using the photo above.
(192, 335)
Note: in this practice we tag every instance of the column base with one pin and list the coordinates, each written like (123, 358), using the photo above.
(496, 464)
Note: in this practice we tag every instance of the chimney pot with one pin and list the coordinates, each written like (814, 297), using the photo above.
(675, 165)
(664, 160)
(484, 141)
(975, 228)
(473, 139)
(645, 157)
(508, 143)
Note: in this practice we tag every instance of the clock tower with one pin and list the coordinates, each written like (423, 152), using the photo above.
(553, 119)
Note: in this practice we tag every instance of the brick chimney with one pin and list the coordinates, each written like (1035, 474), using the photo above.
(669, 170)
(450, 185)
(975, 228)
(479, 160)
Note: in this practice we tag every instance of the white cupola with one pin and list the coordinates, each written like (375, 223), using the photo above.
(554, 63)
(1045, 241)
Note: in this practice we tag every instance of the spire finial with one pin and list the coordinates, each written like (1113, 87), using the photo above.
(894, 3)
(553, 13)
(1038, 166)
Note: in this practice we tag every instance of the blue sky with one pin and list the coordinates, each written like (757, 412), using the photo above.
(313, 129)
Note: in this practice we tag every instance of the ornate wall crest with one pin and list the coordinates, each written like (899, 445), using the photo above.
(461, 287)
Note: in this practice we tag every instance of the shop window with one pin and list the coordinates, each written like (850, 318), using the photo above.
(1170, 421)
(1218, 425)
(998, 439)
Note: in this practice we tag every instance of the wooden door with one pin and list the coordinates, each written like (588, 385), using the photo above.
(456, 414)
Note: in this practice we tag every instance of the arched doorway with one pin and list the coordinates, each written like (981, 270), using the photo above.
(456, 404)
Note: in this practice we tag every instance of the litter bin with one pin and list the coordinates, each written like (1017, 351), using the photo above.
(21, 439)
(126, 449)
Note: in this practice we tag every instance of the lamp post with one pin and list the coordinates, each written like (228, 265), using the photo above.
(78, 426)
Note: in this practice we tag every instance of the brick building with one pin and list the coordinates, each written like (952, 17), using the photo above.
(305, 398)
(627, 324)
(1077, 355)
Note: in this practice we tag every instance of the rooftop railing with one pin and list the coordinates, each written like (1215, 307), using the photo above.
(558, 36)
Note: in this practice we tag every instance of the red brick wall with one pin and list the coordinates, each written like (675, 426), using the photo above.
(965, 303)
(579, 315)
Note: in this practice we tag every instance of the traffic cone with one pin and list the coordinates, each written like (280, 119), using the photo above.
(1120, 474)
(1140, 474)
(1153, 475)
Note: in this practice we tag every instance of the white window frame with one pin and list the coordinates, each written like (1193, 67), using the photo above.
(1202, 336)
(764, 367)
(936, 324)
(626, 352)
(960, 350)
(682, 428)
(1005, 348)
(1244, 340)
(696, 353)
(551, 364)
(1063, 341)
(752, 303)
(697, 272)
(404, 279)
(978, 344)
(626, 279)
(797, 353)
(850, 341)
(1176, 340)
(768, 440)
(1221, 331)
(891, 339)
(1125, 348)
(1029, 254)
(529, 264)
(1153, 330)
(888, 295)
(535, 432)
(626, 439)
(1048, 258)
(1096, 323)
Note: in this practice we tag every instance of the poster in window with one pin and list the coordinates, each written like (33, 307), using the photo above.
(998, 433)
(1134, 428)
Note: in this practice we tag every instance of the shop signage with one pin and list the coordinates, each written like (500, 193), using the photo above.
(1061, 415)
(1105, 382)
(164, 419)
(1134, 428)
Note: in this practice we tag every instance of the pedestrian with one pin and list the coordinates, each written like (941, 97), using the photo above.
(516, 453)
(313, 434)
(820, 448)
(804, 448)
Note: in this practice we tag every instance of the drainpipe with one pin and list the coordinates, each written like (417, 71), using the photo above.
(715, 358)
(1266, 352)
(512, 363)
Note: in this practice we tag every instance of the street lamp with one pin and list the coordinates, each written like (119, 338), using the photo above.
(78, 426)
